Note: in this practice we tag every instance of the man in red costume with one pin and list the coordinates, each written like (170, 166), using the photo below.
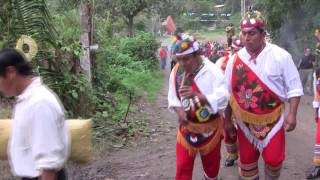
(197, 94)
(316, 104)
(260, 78)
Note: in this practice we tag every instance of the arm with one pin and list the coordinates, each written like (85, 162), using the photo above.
(218, 97)
(316, 116)
(48, 175)
(293, 89)
(213, 90)
(174, 104)
(299, 64)
(173, 100)
(290, 121)
(228, 123)
(49, 139)
(315, 102)
(182, 116)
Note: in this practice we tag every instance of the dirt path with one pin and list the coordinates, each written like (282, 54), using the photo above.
(153, 157)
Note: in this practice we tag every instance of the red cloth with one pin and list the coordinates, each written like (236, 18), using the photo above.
(273, 154)
(185, 162)
(318, 132)
(251, 93)
(163, 53)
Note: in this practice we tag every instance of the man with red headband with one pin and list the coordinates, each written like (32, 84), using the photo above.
(260, 78)
(197, 94)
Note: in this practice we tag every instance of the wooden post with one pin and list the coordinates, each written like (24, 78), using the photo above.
(85, 39)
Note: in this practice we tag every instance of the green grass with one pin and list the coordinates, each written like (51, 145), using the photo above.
(208, 35)
(154, 87)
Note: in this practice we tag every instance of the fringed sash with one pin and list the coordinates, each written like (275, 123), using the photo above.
(207, 146)
(251, 100)
(195, 127)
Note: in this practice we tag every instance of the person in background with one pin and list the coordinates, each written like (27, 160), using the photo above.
(163, 54)
(305, 66)
(39, 142)
(230, 32)
(230, 138)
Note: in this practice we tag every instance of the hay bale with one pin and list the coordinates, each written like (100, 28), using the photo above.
(80, 133)
(5, 131)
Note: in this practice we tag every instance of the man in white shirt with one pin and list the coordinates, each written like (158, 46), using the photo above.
(39, 144)
(260, 78)
(197, 93)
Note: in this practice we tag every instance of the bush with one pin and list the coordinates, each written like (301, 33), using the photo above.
(141, 48)
(125, 70)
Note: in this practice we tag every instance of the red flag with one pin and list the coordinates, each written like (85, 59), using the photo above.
(169, 24)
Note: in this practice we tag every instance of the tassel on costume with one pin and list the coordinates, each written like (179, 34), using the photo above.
(203, 149)
(257, 119)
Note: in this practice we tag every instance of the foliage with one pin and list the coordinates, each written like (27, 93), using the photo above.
(67, 25)
(292, 23)
(32, 18)
(125, 69)
(141, 48)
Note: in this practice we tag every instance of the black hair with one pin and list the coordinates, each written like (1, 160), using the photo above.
(12, 57)
(261, 29)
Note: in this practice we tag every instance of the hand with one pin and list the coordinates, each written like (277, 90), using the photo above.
(182, 116)
(187, 92)
(48, 175)
(290, 122)
(230, 129)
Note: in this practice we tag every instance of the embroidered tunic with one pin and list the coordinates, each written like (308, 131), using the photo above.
(274, 72)
(201, 133)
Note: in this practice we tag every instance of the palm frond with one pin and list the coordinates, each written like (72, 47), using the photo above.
(32, 18)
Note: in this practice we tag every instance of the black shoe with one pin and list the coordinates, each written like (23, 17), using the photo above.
(229, 162)
(314, 174)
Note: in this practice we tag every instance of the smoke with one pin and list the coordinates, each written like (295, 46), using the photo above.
(287, 39)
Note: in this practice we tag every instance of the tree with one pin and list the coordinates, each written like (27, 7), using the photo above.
(130, 9)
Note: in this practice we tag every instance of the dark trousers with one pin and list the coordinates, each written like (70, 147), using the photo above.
(61, 175)
(229, 40)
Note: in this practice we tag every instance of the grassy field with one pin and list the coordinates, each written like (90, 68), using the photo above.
(209, 34)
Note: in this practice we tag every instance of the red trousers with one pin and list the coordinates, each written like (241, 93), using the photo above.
(273, 155)
(316, 157)
(185, 162)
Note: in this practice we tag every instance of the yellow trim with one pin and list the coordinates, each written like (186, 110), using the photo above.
(205, 149)
(257, 119)
(203, 127)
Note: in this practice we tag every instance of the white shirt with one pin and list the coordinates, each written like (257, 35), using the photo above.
(274, 67)
(210, 82)
(39, 138)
